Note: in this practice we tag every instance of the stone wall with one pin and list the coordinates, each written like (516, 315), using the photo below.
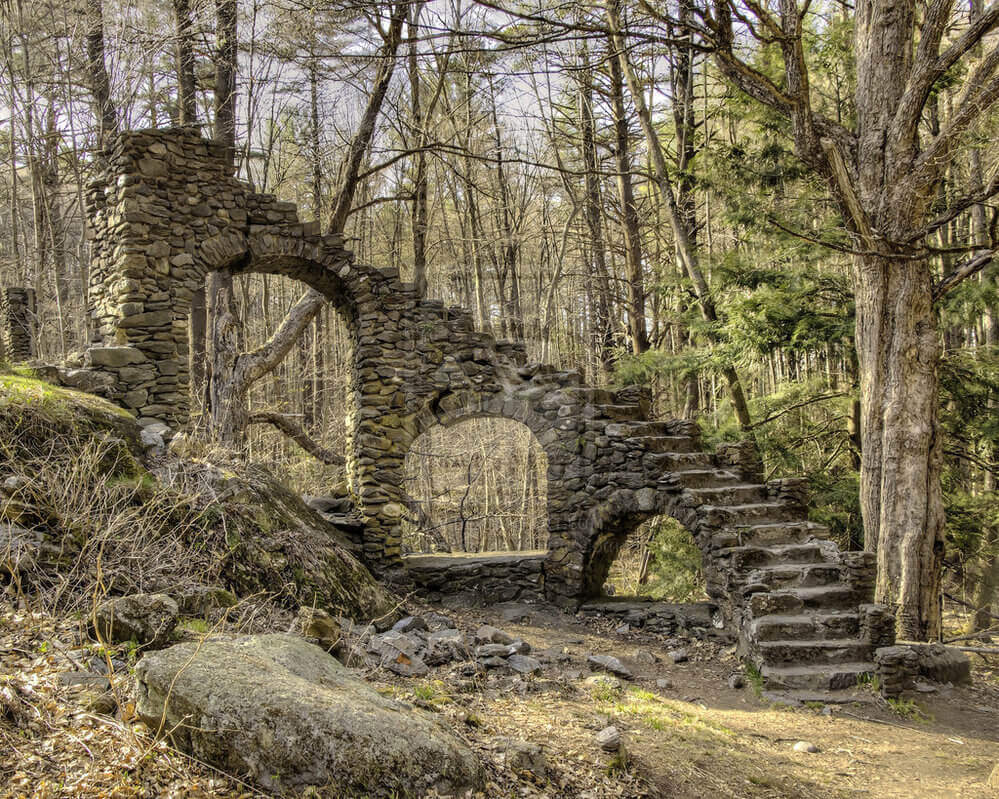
(20, 323)
(901, 668)
(168, 211)
(483, 579)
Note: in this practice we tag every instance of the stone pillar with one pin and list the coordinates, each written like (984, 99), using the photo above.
(165, 195)
(20, 323)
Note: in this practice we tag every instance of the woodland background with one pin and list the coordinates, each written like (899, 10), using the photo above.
(508, 171)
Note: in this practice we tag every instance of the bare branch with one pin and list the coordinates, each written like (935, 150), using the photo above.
(963, 271)
(288, 427)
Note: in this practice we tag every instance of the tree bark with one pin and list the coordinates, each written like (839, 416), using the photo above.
(601, 293)
(684, 247)
(186, 98)
(226, 64)
(100, 83)
(420, 188)
(629, 213)
(898, 348)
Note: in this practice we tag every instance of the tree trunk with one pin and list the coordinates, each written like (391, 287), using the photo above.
(186, 98)
(898, 350)
(100, 84)
(225, 406)
(598, 261)
(419, 212)
(629, 213)
(225, 76)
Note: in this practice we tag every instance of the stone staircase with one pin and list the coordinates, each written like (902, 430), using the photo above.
(802, 607)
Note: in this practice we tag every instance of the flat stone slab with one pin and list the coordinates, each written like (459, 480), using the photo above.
(470, 559)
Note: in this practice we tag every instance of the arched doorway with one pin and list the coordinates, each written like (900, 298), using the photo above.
(658, 560)
(476, 486)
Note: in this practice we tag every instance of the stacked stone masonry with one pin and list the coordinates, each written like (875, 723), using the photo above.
(19, 333)
(168, 211)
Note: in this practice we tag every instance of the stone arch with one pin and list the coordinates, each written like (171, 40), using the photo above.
(458, 406)
(608, 526)
(508, 439)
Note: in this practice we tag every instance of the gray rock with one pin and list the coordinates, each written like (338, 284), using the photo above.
(520, 647)
(492, 650)
(494, 663)
(114, 357)
(805, 746)
(645, 657)
(445, 646)
(487, 634)
(523, 756)
(664, 685)
(85, 380)
(318, 625)
(399, 653)
(19, 548)
(941, 663)
(410, 624)
(148, 619)
(623, 629)
(524, 664)
(437, 621)
(202, 600)
(609, 739)
(152, 442)
(91, 690)
(736, 681)
(678, 656)
(84, 679)
(611, 664)
(603, 681)
(100, 665)
(286, 714)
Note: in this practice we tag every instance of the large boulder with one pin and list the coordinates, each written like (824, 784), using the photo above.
(281, 711)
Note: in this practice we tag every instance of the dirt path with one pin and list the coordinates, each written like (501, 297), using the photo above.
(690, 737)
(698, 737)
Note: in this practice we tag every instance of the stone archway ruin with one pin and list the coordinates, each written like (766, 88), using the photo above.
(168, 211)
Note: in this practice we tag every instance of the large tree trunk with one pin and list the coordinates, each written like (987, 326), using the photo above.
(898, 348)
(629, 213)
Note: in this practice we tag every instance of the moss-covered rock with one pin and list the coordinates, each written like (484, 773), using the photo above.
(290, 717)
(73, 469)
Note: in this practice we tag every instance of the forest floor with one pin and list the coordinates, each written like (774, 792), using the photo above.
(690, 736)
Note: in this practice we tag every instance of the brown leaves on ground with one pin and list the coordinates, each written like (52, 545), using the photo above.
(52, 746)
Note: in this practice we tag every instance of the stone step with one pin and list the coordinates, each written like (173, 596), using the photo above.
(818, 678)
(754, 513)
(805, 626)
(797, 575)
(708, 478)
(788, 601)
(754, 556)
(664, 443)
(841, 696)
(641, 429)
(738, 494)
(616, 413)
(812, 653)
(678, 461)
(769, 533)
